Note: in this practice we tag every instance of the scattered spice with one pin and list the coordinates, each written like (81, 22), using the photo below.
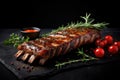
(18, 68)
(12, 63)
(23, 67)
(29, 70)
(32, 67)
(27, 67)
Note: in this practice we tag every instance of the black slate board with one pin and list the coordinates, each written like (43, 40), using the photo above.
(7, 58)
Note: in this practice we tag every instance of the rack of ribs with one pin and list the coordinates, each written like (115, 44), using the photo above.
(55, 44)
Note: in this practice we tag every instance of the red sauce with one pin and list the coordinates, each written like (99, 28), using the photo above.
(30, 30)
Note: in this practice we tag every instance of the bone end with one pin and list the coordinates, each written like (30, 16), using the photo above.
(25, 56)
(19, 53)
(31, 59)
(42, 61)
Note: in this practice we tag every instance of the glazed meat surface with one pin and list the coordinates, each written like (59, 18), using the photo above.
(55, 44)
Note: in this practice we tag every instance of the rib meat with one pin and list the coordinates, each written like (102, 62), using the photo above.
(55, 44)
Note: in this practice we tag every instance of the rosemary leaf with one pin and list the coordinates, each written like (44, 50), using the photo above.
(15, 40)
(88, 23)
(84, 58)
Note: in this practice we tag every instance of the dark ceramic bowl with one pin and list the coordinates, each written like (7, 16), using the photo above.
(31, 32)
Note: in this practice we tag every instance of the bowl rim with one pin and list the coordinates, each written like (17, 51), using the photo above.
(32, 28)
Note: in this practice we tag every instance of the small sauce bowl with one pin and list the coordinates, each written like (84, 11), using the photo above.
(31, 32)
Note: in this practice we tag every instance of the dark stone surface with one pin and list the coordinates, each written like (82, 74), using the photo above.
(103, 69)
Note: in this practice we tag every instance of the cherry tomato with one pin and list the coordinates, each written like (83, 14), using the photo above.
(105, 42)
(117, 44)
(99, 52)
(113, 49)
(102, 44)
(109, 39)
(98, 42)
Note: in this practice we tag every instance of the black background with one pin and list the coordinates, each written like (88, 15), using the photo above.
(17, 14)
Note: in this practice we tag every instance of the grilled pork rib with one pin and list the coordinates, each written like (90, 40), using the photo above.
(55, 44)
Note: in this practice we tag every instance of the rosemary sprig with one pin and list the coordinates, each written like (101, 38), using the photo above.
(84, 58)
(84, 55)
(88, 23)
(87, 19)
(15, 40)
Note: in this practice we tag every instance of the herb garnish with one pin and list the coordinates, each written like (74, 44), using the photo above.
(15, 40)
(88, 23)
(83, 58)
